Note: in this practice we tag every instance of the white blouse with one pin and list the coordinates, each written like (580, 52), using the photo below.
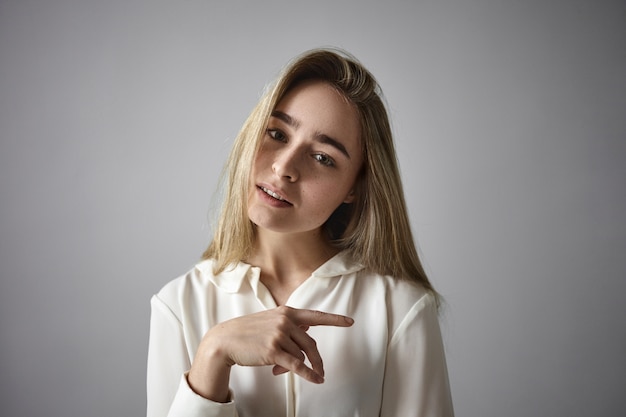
(389, 363)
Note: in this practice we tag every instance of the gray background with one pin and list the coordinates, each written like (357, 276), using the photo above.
(115, 117)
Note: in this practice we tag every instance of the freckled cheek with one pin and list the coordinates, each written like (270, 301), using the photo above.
(323, 196)
(258, 163)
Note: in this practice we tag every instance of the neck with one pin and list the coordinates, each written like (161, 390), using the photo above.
(287, 260)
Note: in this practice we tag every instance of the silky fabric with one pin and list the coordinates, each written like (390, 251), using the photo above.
(391, 362)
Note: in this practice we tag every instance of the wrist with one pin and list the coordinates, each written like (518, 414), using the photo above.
(209, 375)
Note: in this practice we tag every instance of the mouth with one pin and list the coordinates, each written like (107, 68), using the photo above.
(272, 194)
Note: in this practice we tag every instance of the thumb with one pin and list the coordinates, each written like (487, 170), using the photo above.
(278, 370)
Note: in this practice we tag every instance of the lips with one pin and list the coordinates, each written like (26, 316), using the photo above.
(273, 194)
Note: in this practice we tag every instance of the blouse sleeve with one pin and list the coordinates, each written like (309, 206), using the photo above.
(416, 377)
(168, 393)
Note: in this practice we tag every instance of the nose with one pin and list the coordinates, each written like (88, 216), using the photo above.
(285, 165)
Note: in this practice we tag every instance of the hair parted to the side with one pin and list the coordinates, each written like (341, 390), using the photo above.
(375, 228)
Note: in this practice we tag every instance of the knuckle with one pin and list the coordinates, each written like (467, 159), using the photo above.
(282, 323)
(283, 310)
(318, 314)
(321, 317)
(275, 336)
(298, 365)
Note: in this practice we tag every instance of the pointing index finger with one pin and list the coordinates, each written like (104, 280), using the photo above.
(320, 318)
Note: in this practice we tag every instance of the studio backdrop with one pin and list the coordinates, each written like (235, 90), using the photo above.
(509, 116)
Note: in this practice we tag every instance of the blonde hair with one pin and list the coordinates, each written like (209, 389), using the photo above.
(375, 228)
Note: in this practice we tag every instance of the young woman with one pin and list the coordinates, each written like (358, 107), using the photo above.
(311, 299)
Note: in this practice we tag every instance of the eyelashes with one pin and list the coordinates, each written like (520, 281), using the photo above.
(320, 157)
(277, 134)
(324, 159)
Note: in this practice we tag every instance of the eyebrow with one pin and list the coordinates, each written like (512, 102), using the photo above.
(320, 137)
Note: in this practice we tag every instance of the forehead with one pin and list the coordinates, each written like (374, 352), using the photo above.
(318, 106)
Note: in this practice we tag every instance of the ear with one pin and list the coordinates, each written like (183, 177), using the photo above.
(350, 197)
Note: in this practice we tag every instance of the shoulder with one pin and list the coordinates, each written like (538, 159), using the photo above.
(200, 283)
(402, 291)
(413, 295)
(399, 294)
(193, 280)
(402, 299)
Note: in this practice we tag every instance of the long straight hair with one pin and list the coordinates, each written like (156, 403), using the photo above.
(375, 228)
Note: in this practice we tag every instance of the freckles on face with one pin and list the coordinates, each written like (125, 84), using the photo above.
(308, 161)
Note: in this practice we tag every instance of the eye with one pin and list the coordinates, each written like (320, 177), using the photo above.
(324, 159)
(277, 135)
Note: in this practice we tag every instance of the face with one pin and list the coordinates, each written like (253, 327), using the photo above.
(308, 160)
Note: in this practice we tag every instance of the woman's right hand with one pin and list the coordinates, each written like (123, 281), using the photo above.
(274, 337)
